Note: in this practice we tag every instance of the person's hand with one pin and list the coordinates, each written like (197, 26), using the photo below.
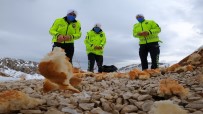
(98, 47)
(60, 38)
(67, 38)
(139, 34)
(95, 47)
(145, 33)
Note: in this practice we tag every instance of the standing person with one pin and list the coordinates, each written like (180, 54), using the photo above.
(95, 42)
(147, 32)
(64, 31)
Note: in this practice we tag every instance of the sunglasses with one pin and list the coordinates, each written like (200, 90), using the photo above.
(139, 16)
(73, 14)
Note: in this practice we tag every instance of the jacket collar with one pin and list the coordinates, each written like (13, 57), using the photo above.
(65, 18)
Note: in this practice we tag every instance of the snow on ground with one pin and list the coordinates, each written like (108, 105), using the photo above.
(17, 75)
(200, 48)
(8, 79)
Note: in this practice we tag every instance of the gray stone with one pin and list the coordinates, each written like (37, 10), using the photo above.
(115, 112)
(64, 102)
(126, 102)
(106, 106)
(141, 112)
(84, 100)
(143, 91)
(139, 104)
(106, 95)
(194, 106)
(119, 100)
(118, 107)
(127, 95)
(135, 96)
(197, 112)
(147, 105)
(54, 111)
(132, 101)
(74, 100)
(190, 109)
(176, 100)
(199, 101)
(198, 89)
(104, 84)
(194, 98)
(144, 97)
(96, 103)
(96, 97)
(86, 106)
(129, 108)
(98, 110)
(52, 102)
(31, 111)
(131, 113)
(28, 90)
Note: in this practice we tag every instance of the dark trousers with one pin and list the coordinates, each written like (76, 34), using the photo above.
(68, 47)
(91, 60)
(153, 49)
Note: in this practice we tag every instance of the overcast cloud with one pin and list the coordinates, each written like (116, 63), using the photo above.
(24, 26)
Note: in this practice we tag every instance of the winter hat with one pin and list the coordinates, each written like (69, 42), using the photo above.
(72, 12)
(97, 25)
(139, 15)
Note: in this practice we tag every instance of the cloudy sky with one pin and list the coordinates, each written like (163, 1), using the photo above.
(24, 26)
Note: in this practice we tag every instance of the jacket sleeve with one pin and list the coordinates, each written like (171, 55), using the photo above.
(103, 42)
(155, 28)
(135, 31)
(53, 29)
(78, 32)
(87, 42)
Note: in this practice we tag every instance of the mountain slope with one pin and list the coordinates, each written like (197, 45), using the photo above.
(28, 67)
(13, 69)
(138, 66)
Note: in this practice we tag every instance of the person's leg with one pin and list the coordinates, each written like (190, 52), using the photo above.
(56, 44)
(69, 49)
(154, 53)
(143, 53)
(91, 61)
(99, 60)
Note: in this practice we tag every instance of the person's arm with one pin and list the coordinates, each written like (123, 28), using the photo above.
(53, 30)
(135, 33)
(103, 42)
(78, 32)
(155, 28)
(87, 41)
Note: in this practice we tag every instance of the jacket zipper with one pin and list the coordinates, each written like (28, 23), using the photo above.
(144, 37)
(67, 30)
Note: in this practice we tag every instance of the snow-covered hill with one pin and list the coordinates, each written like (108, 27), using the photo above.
(138, 66)
(13, 69)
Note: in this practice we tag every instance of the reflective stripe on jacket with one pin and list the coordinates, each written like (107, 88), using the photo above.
(149, 26)
(93, 39)
(62, 27)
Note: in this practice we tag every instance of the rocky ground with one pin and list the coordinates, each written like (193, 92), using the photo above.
(112, 95)
(117, 94)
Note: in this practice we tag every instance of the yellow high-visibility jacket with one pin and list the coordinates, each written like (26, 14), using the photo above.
(95, 39)
(62, 27)
(149, 26)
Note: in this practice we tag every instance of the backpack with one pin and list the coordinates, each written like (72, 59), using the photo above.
(110, 68)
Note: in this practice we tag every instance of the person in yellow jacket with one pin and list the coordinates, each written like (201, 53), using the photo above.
(147, 32)
(95, 41)
(64, 31)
